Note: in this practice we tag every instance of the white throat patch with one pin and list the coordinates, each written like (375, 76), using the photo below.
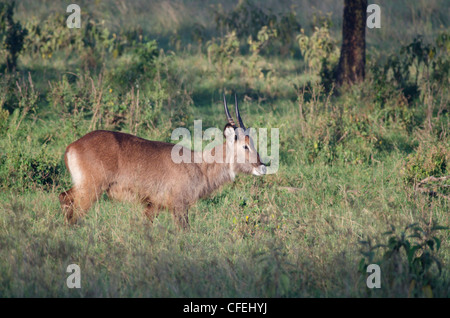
(231, 171)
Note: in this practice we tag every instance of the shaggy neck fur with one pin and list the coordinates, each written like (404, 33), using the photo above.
(215, 174)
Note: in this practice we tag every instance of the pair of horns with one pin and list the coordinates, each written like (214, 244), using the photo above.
(227, 112)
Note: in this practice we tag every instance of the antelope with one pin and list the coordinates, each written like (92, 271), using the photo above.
(131, 168)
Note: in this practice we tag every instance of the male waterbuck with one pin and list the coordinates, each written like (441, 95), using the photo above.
(131, 168)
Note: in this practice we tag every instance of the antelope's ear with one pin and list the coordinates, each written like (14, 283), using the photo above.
(229, 132)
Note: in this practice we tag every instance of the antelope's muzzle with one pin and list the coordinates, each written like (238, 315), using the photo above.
(260, 170)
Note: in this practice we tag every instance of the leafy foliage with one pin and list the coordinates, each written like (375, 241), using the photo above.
(409, 257)
(415, 62)
(430, 159)
(23, 169)
(248, 19)
(137, 71)
(321, 54)
(223, 52)
(318, 47)
(12, 35)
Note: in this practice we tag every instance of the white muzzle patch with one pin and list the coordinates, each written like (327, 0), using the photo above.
(261, 170)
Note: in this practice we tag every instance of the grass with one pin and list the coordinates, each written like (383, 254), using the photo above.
(345, 159)
(254, 238)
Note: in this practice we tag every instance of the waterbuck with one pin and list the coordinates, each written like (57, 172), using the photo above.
(131, 168)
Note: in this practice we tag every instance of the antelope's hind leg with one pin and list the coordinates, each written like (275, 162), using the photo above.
(66, 200)
(77, 201)
(180, 216)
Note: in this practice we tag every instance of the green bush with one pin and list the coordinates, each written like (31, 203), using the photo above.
(22, 167)
(318, 47)
(416, 63)
(51, 35)
(247, 19)
(223, 51)
(4, 114)
(430, 159)
(92, 44)
(12, 35)
(254, 63)
(337, 133)
(409, 260)
(106, 106)
(136, 68)
(321, 54)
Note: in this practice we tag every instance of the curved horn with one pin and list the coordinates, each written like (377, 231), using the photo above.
(227, 112)
(241, 124)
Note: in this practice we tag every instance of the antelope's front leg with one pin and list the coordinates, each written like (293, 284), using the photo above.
(151, 211)
(180, 216)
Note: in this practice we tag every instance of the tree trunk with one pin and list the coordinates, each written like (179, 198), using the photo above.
(353, 51)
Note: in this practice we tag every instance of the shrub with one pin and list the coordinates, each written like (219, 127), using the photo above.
(254, 63)
(11, 35)
(247, 19)
(409, 259)
(4, 114)
(415, 64)
(339, 132)
(318, 47)
(91, 45)
(430, 159)
(321, 54)
(22, 168)
(222, 52)
(51, 35)
(136, 69)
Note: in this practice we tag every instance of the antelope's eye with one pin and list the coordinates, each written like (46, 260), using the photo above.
(245, 147)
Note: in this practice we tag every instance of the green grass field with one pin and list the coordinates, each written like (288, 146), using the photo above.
(350, 159)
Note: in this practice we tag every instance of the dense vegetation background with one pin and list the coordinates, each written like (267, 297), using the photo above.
(363, 168)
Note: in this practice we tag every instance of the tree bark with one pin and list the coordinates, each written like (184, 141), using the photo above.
(353, 51)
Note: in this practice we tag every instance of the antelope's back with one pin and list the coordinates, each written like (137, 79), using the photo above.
(106, 155)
